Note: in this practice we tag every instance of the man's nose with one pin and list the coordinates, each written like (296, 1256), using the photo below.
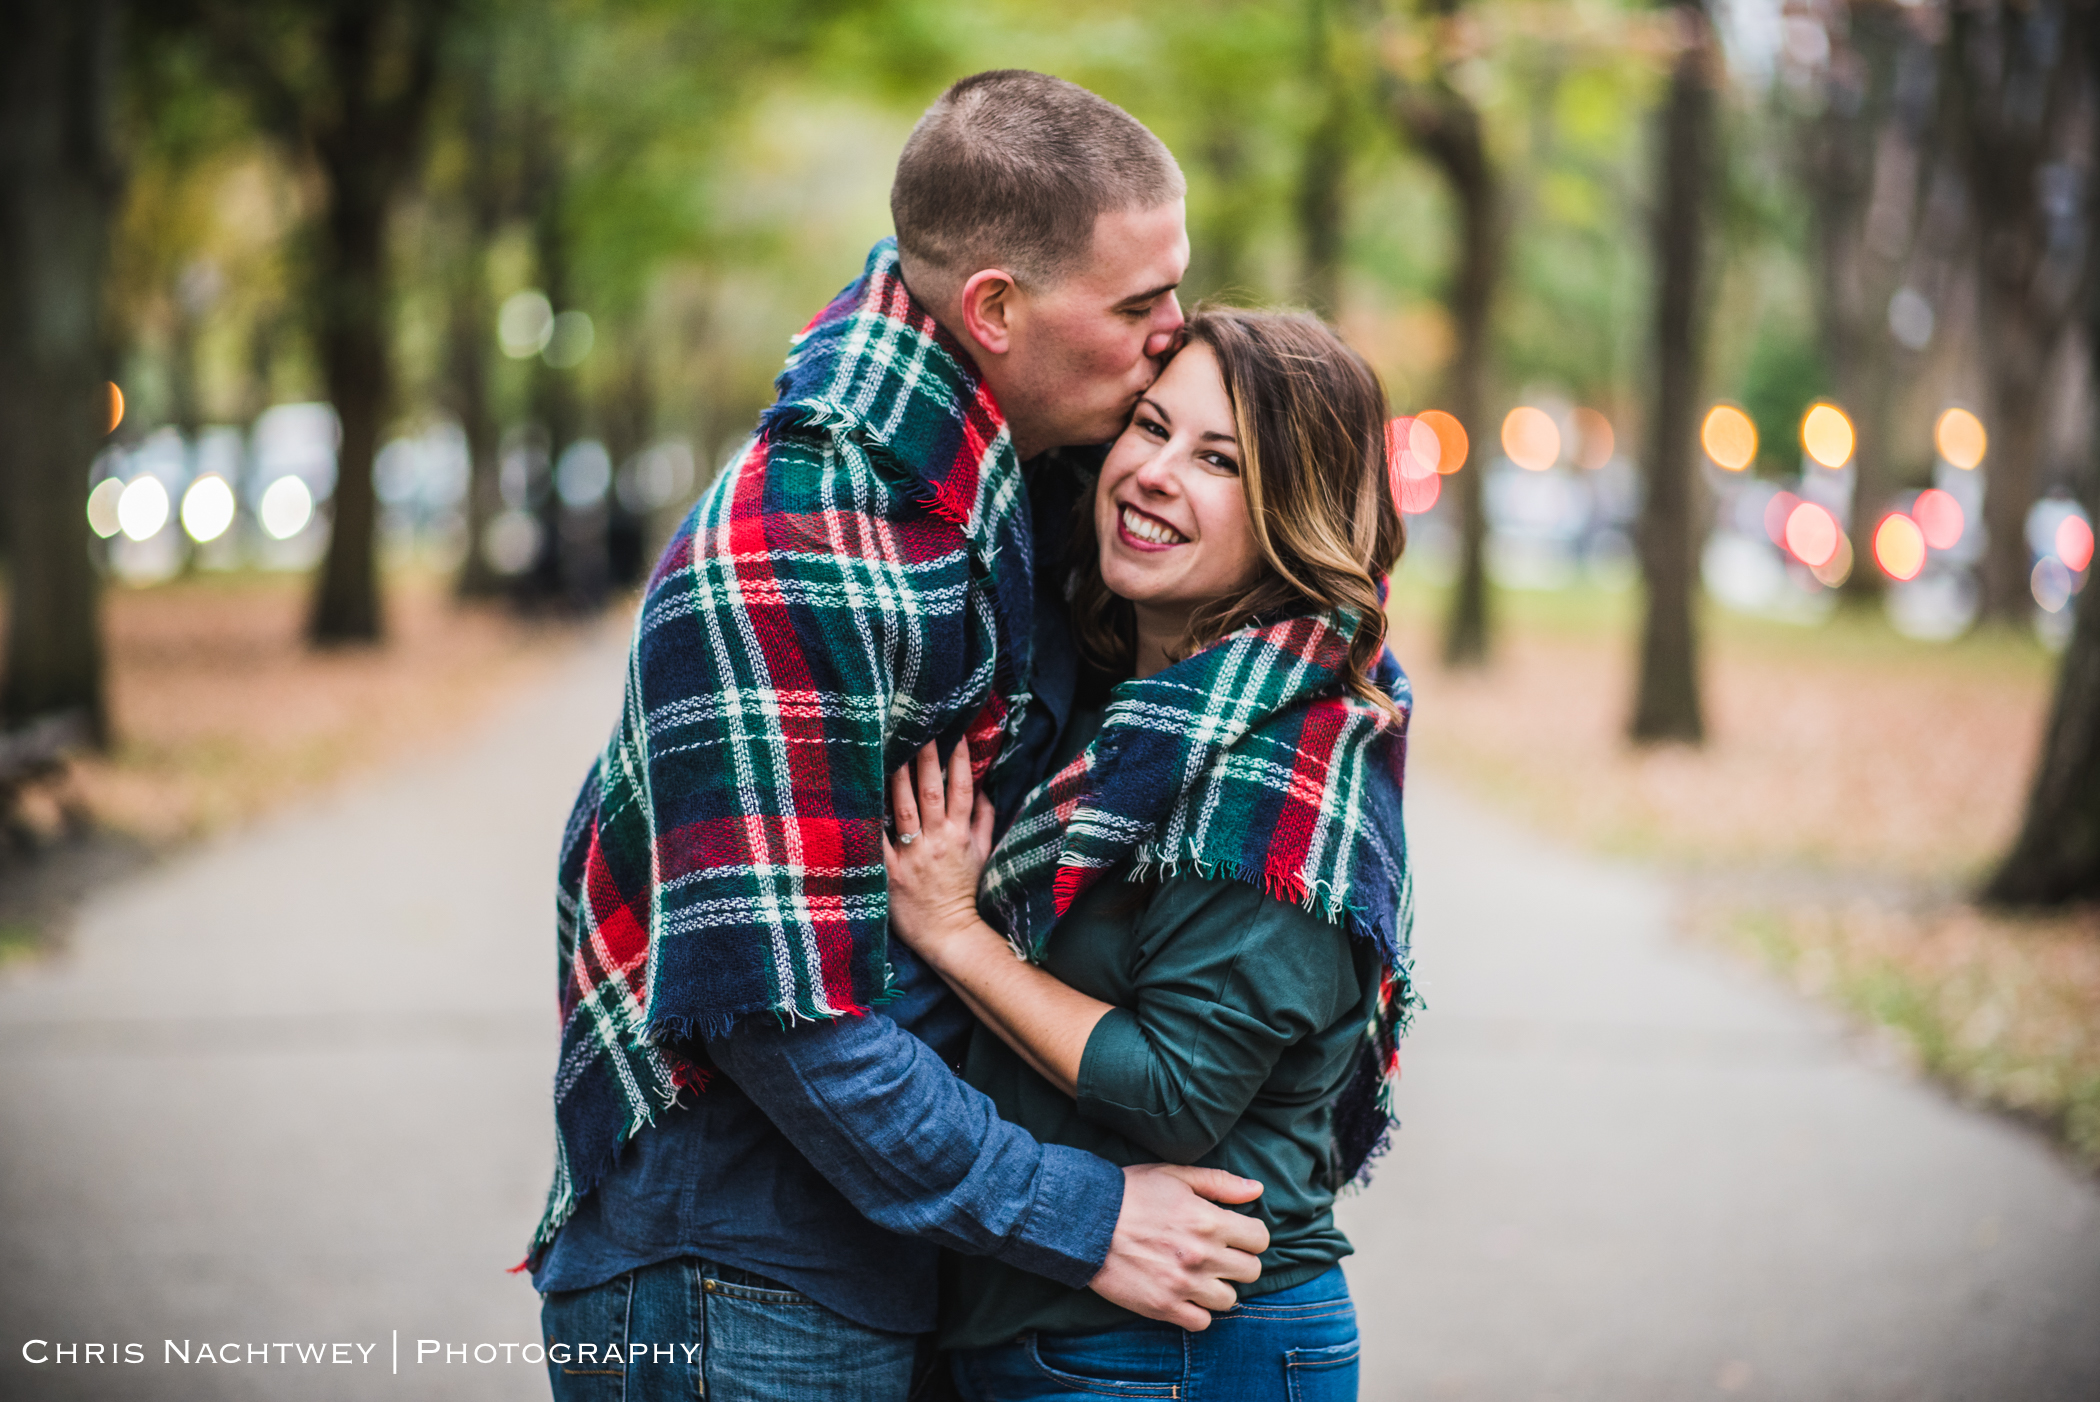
(1166, 327)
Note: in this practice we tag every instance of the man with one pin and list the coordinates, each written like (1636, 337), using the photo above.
(761, 1142)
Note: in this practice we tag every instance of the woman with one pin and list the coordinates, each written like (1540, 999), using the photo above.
(1210, 895)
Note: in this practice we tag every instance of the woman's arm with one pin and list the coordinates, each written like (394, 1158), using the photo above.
(933, 906)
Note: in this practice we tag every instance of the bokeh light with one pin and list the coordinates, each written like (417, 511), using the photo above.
(2051, 584)
(1899, 547)
(102, 507)
(1594, 440)
(116, 408)
(1960, 438)
(1838, 568)
(570, 337)
(525, 324)
(1418, 494)
(1939, 518)
(512, 541)
(1812, 534)
(1412, 447)
(1729, 437)
(143, 508)
(1777, 510)
(1451, 438)
(1826, 435)
(286, 506)
(1531, 438)
(207, 508)
(2074, 543)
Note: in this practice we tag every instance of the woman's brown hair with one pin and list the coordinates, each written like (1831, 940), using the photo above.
(1310, 417)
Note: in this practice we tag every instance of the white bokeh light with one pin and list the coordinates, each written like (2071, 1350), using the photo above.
(102, 507)
(143, 508)
(207, 508)
(285, 508)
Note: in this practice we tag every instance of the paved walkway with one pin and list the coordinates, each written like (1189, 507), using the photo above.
(291, 1091)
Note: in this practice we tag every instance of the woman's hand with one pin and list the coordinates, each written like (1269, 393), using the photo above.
(944, 835)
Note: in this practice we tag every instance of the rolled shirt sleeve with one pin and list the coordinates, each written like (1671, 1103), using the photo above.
(920, 1153)
(1228, 978)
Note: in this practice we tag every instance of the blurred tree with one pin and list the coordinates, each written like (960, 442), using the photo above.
(59, 182)
(2056, 857)
(1324, 171)
(1436, 117)
(1666, 702)
(482, 199)
(345, 85)
(1868, 156)
(2025, 108)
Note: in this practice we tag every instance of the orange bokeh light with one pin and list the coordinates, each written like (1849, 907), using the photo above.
(2074, 543)
(1826, 435)
(1531, 438)
(1939, 518)
(1899, 546)
(1960, 438)
(1812, 534)
(116, 407)
(1729, 437)
(1594, 440)
(1451, 438)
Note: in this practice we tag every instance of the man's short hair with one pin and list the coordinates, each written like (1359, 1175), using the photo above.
(1010, 169)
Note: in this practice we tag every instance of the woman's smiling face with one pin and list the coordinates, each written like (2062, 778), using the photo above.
(1169, 510)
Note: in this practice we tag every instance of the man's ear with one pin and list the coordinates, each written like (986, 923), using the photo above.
(988, 306)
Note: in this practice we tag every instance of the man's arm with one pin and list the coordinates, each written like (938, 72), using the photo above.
(919, 1152)
(812, 627)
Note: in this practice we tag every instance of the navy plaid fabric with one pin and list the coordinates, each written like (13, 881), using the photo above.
(857, 583)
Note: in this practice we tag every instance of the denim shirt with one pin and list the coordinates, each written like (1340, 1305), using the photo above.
(838, 1158)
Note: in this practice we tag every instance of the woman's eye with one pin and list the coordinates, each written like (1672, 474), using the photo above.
(1222, 463)
(1157, 430)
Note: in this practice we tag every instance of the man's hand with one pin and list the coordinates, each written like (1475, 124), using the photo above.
(1173, 1252)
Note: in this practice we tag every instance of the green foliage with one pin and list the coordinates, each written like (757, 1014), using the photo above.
(710, 172)
(1785, 375)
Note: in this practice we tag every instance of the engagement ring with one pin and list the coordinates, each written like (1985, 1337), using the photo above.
(906, 839)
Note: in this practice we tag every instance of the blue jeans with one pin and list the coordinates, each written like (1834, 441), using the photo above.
(1297, 1345)
(665, 1330)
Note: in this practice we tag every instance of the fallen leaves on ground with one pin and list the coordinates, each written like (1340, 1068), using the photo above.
(221, 710)
(1853, 788)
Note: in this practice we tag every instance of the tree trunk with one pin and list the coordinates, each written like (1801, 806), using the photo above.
(1471, 302)
(58, 188)
(347, 84)
(1441, 122)
(1666, 705)
(1865, 155)
(472, 323)
(1219, 255)
(2019, 71)
(2056, 857)
(351, 296)
(1326, 163)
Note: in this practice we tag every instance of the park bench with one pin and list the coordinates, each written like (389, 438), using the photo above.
(35, 752)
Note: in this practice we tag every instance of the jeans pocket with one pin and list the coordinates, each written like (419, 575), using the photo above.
(1322, 1374)
(578, 1325)
(781, 1346)
(1115, 1363)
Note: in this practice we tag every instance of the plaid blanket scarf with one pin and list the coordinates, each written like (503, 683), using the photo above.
(856, 583)
(1246, 761)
